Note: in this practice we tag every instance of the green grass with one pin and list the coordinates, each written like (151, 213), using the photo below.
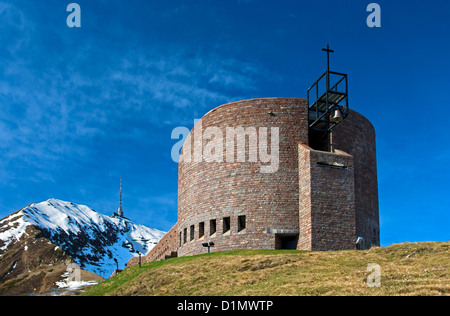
(407, 269)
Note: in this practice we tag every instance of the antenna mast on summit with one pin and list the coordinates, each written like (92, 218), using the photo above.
(120, 211)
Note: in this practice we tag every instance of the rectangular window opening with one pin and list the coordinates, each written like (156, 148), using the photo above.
(241, 223)
(226, 225)
(192, 233)
(201, 230)
(185, 235)
(319, 140)
(212, 227)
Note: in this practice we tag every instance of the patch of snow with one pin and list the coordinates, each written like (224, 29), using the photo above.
(73, 285)
(66, 221)
(69, 283)
(12, 268)
(14, 233)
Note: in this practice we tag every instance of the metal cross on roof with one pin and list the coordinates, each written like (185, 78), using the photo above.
(327, 108)
(328, 50)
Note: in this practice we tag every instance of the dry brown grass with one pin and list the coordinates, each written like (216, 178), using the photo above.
(407, 269)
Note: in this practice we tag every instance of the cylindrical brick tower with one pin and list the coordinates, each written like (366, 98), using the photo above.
(252, 177)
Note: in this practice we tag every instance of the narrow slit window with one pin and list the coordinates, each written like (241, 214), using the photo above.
(192, 233)
(212, 227)
(201, 230)
(226, 225)
(185, 235)
(241, 223)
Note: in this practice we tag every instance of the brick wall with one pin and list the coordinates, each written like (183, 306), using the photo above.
(327, 206)
(305, 219)
(356, 136)
(165, 247)
(327, 218)
(214, 191)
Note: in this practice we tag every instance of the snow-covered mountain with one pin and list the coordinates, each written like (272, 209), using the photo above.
(93, 240)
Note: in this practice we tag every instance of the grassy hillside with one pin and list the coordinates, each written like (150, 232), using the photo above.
(407, 269)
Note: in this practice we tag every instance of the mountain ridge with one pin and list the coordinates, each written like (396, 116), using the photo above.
(82, 235)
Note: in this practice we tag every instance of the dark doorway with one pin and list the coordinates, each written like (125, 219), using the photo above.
(287, 242)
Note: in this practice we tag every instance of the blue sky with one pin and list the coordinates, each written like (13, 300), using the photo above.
(81, 107)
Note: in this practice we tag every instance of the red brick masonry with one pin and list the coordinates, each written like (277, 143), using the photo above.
(317, 200)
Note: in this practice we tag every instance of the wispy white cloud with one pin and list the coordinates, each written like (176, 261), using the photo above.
(56, 110)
